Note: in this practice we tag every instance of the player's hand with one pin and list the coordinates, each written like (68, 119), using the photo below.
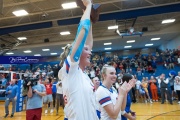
(133, 118)
(87, 2)
(122, 89)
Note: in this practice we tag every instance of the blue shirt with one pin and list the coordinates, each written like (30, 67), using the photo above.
(128, 106)
(14, 91)
(4, 82)
(36, 100)
(54, 90)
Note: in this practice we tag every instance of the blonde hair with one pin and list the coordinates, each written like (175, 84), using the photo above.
(65, 53)
(104, 69)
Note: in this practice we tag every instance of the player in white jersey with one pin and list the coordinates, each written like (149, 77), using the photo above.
(96, 83)
(111, 102)
(78, 89)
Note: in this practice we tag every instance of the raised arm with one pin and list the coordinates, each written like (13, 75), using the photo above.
(84, 33)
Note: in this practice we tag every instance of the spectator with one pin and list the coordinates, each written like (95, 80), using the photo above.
(153, 88)
(177, 87)
(11, 96)
(59, 97)
(48, 97)
(163, 84)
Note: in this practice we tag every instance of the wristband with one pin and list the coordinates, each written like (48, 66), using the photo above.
(123, 112)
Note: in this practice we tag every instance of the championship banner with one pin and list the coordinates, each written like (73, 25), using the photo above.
(19, 101)
(22, 59)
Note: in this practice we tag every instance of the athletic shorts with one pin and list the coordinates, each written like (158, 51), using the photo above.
(141, 91)
(47, 98)
(34, 114)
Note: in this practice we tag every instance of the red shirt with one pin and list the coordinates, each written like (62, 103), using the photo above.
(48, 88)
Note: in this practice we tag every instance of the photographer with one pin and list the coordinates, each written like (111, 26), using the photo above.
(34, 102)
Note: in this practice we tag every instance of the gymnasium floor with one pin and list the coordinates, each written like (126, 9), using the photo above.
(155, 111)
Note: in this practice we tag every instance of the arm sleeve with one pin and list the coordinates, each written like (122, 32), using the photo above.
(103, 98)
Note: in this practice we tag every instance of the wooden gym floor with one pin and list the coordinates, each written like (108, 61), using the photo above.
(144, 111)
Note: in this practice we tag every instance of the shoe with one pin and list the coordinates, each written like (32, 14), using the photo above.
(145, 101)
(12, 115)
(94, 11)
(56, 113)
(156, 100)
(162, 103)
(6, 115)
(151, 101)
(51, 111)
(171, 103)
(46, 111)
(179, 102)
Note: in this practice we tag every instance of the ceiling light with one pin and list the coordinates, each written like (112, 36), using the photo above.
(127, 46)
(45, 49)
(20, 13)
(65, 33)
(21, 38)
(69, 5)
(112, 27)
(9, 53)
(168, 21)
(148, 44)
(27, 51)
(155, 38)
(107, 48)
(53, 53)
(107, 43)
(130, 41)
(37, 54)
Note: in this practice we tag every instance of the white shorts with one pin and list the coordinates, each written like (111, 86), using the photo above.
(47, 98)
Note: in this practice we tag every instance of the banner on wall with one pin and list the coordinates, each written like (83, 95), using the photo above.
(22, 59)
(19, 102)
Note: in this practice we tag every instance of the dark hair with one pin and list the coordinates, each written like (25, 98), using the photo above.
(126, 77)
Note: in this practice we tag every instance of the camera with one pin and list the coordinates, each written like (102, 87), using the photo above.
(34, 81)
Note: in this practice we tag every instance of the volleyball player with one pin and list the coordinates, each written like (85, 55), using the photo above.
(79, 97)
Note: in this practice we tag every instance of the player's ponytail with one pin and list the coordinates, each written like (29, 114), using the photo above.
(65, 53)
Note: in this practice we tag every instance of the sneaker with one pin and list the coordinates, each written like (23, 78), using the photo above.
(46, 111)
(51, 111)
(156, 100)
(12, 115)
(6, 115)
(151, 101)
(179, 102)
(145, 101)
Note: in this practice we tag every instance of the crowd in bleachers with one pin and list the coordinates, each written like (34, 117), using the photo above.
(142, 66)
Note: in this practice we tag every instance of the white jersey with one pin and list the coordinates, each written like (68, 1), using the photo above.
(105, 97)
(78, 92)
(138, 83)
